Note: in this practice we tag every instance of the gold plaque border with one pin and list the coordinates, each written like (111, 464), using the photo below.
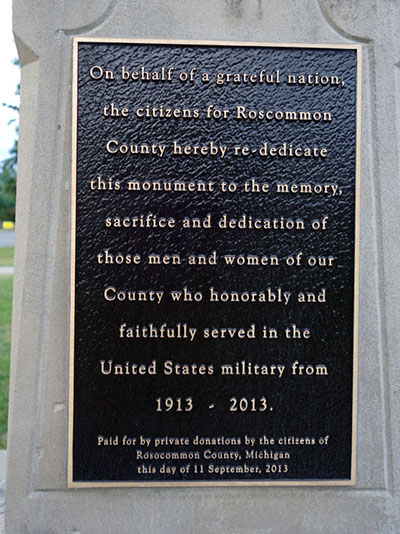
(215, 483)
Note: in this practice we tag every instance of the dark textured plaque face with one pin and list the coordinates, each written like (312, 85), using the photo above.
(213, 264)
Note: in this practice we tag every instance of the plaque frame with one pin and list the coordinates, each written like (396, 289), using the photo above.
(210, 483)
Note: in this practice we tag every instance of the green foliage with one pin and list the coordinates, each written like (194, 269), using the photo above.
(8, 174)
(8, 183)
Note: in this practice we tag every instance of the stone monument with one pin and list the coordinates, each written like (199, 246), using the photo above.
(204, 320)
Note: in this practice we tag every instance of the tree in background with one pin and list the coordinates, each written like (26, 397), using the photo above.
(8, 184)
(8, 173)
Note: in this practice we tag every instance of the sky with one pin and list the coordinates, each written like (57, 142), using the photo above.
(9, 80)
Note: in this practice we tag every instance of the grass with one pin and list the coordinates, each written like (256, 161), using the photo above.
(6, 256)
(6, 283)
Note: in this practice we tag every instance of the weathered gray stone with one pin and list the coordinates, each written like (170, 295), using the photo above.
(37, 499)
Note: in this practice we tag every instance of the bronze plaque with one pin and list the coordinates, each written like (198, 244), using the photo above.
(213, 263)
